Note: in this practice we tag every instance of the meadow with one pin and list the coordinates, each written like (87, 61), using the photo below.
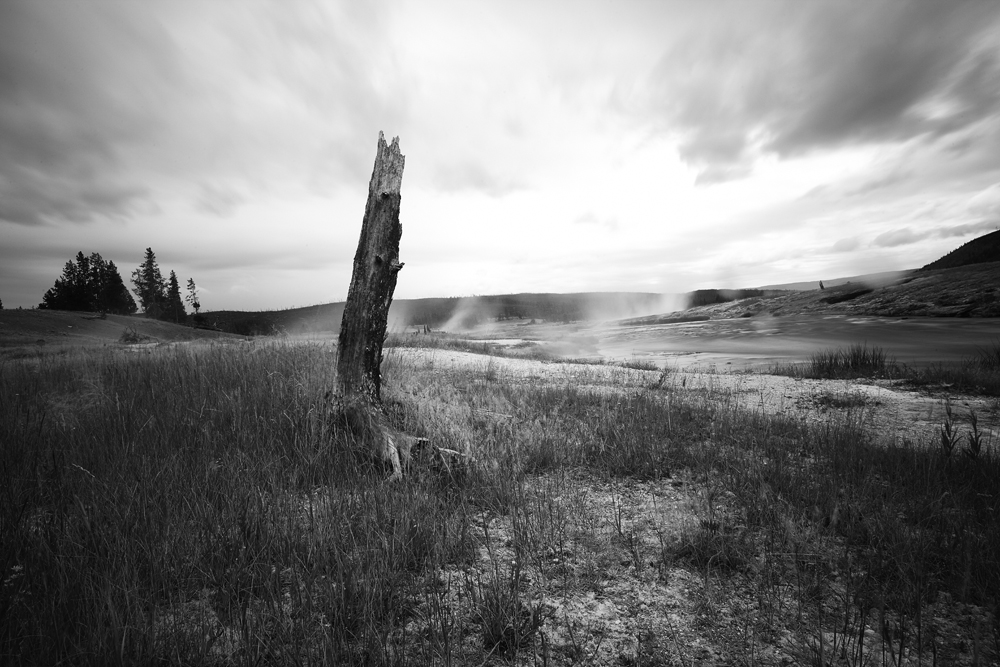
(200, 505)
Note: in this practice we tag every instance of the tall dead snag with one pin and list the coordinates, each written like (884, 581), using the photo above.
(363, 329)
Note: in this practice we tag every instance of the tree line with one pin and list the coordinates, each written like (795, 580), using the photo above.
(93, 284)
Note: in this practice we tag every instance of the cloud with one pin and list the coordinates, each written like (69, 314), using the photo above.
(847, 245)
(218, 200)
(30, 197)
(879, 182)
(971, 228)
(104, 106)
(789, 78)
(62, 131)
(865, 184)
(471, 175)
(986, 203)
(590, 218)
(898, 237)
(712, 174)
(912, 68)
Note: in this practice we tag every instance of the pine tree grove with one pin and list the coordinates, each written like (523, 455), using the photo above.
(89, 284)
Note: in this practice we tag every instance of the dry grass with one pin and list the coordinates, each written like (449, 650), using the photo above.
(978, 374)
(856, 361)
(201, 506)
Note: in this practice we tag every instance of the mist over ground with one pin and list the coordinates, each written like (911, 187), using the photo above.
(466, 313)
(457, 314)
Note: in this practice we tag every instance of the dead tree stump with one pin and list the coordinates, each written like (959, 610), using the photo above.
(363, 328)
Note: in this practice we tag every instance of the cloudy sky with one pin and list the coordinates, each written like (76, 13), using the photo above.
(550, 146)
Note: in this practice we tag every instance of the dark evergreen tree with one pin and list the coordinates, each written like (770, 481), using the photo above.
(175, 306)
(89, 284)
(112, 295)
(62, 295)
(150, 286)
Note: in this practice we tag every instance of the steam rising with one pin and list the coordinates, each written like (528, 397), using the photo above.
(460, 314)
(469, 313)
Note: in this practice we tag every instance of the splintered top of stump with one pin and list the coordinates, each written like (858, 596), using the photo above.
(387, 177)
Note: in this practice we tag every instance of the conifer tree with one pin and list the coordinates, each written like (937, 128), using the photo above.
(58, 296)
(150, 286)
(192, 296)
(113, 296)
(175, 306)
(90, 284)
(80, 291)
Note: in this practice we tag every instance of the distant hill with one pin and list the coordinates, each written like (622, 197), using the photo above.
(977, 251)
(962, 291)
(870, 279)
(970, 292)
(963, 283)
(453, 313)
(310, 319)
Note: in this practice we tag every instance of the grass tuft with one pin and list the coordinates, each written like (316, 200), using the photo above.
(507, 624)
(858, 360)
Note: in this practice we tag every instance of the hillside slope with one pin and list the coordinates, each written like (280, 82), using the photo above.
(965, 291)
(977, 251)
(871, 279)
(20, 328)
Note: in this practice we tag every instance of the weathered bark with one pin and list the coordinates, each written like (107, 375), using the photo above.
(376, 263)
(363, 328)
